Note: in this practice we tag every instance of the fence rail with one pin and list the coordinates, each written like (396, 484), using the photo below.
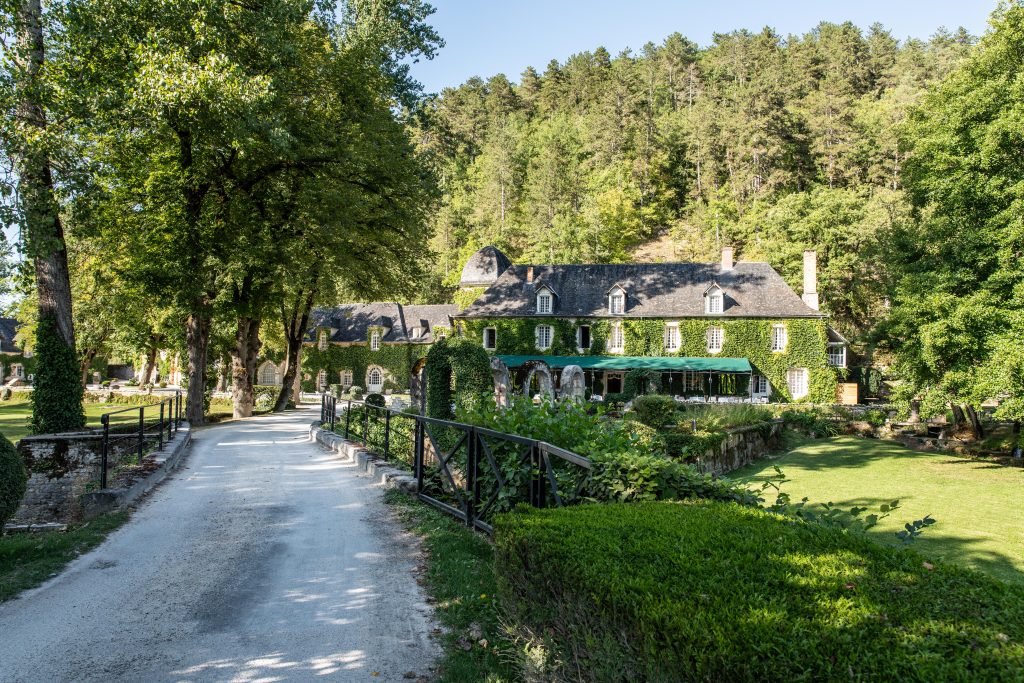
(156, 423)
(466, 471)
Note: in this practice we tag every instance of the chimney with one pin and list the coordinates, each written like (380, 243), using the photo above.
(810, 296)
(529, 274)
(727, 258)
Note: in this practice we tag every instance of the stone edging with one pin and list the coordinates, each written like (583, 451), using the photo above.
(100, 502)
(383, 472)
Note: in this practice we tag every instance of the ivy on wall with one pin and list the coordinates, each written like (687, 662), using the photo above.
(395, 359)
(464, 297)
(456, 365)
(742, 338)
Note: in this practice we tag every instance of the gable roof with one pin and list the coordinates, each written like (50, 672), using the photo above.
(8, 328)
(352, 322)
(656, 290)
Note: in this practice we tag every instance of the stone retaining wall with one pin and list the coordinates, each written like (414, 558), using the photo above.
(741, 447)
(62, 468)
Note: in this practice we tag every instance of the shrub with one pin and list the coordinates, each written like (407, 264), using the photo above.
(57, 395)
(814, 422)
(375, 400)
(721, 416)
(716, 591)
(655, 410)
(875, 418)
(13, 479)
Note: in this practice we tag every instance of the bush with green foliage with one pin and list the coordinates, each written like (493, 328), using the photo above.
(628, 458)
(13, 480)
(458, 373)
(815, 422)
(701, 590)
(655, 410)
(57, 391)
(375, 400)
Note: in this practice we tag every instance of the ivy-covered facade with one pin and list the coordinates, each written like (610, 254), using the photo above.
(727, 311)
(373, 346)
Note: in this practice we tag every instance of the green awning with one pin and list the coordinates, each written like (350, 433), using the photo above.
(674, 364)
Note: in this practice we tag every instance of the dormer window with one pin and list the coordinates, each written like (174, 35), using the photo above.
(617, 300)
(714, 300)
(544, 302)
(321, 342)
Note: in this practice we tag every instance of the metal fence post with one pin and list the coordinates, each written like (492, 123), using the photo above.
(417, 453)
(387, 433)
(323, 408)
(348, 417)
(472, 486)
(170, 418)
(160, 438)
(366, 424)
(142, 431)
(105, 419)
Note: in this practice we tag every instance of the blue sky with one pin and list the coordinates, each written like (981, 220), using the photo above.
(485, 37)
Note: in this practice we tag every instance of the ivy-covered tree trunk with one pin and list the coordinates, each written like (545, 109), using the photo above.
(295, 324)
(57, 396)
(197, 334)
(243, 364)
(57, 399)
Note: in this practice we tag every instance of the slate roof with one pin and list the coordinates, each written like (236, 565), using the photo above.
(352, 322)
(653, 290)
(484, 267)
(8, 328)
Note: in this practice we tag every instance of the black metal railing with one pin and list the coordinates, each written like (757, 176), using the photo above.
(125, 435)
(469, 472)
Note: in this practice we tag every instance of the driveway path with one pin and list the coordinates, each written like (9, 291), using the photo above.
(263, 558)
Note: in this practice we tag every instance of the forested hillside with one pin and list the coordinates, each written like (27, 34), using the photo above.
(770, 143)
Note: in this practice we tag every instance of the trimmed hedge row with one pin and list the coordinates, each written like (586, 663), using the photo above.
(720, 592)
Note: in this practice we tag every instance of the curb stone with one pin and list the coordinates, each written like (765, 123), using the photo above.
(384, 473)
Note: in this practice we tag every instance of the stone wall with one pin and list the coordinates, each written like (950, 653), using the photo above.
(63, 467)
(741, 447)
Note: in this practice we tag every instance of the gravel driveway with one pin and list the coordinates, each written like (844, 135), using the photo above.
(263, 558)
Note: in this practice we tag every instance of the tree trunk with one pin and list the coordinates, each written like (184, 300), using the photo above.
(147, 367)
(243, 364)
(87, 357)
(197, 333)
(295, 325)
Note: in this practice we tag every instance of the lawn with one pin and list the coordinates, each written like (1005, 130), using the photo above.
(15, 416)
(976, 503)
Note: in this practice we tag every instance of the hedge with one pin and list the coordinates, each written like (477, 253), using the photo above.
(721, 592)
(13, 480)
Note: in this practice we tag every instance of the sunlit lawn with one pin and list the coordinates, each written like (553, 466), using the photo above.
(15, 416)
(976, 503)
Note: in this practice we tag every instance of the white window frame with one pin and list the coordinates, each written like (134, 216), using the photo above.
(549, 331)
(321, 340)
(761, 387)
(545, 302)
(797, 382)
(579, 337)
(671, 337)
(345, 378)
(617, 301)
(493, 346)
(262, 374)
(715, 339)
(370, 384)
(617, 338)
(375, 341)
(715, 302)
(780, 338)
(321, 380)
(837, 355)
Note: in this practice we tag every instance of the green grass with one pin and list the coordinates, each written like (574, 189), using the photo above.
(27, 560)
(976, 503)
(460, 579)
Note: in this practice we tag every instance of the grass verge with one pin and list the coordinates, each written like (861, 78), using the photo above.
(27, 560)
(973, 501)
(459, 578)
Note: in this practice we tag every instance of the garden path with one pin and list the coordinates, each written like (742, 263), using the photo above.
(263, 558)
